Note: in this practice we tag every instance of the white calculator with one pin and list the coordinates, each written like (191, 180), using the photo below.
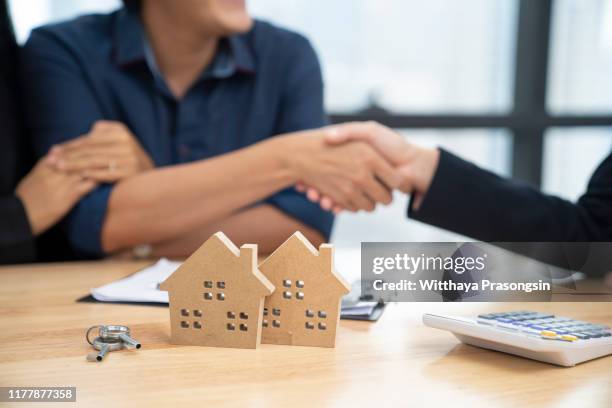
(539, 336)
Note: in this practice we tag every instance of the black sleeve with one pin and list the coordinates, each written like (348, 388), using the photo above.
(471, 201)
(17, 243)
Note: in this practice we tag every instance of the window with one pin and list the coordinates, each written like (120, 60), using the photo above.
(580, 85)
(581, 57)
(436, 55)
(570, 157)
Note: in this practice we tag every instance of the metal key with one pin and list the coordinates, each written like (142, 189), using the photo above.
(119, 333)
(104, 346)
(110, 338)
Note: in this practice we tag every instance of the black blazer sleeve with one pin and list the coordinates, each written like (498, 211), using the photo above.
(17, 243)
(471, 201)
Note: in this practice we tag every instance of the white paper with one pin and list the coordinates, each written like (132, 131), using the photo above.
(139, 287)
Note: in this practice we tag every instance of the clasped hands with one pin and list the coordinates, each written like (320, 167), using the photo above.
(108, 153)
(370, 161)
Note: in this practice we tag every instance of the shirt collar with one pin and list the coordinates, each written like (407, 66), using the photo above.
(243, 54)
(233, 55)
(128, 44)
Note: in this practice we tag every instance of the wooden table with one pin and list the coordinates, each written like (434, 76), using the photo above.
(394, 362)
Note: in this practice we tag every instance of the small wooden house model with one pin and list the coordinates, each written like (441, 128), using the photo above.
(217, 296)
(305, 308)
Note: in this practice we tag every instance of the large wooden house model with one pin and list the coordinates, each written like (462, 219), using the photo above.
(304, 310)
(217, 296)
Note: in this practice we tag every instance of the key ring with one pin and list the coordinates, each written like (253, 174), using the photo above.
(113, 345)
(114, 331)
(89, 331)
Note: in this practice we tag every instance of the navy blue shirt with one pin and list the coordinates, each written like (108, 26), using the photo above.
(260, 84)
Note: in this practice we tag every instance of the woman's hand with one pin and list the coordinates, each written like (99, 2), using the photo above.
(108, 153)
(48, 194)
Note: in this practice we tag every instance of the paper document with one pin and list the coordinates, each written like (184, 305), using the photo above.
(139, 287)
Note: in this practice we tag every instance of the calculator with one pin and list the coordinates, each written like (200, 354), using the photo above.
(539, 336)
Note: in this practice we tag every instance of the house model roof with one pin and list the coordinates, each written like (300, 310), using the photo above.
(220, 253)
(295, 248)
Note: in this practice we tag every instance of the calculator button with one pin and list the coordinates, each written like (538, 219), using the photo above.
(581, 329)
(568, 337)
(544, 316)
(606, 334)
(548, 334)
(537, 327)
(581, 336)
(487, 316)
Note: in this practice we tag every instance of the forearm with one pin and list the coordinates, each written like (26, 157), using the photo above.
(264, 225)
(162, 204)
(474, 202)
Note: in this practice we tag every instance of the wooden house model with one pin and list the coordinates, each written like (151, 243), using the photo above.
(304, 310)
(217, 296)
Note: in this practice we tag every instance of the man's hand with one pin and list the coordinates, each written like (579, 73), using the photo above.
(108, 153)
(415, 165)
(48, 194)
(354, 175)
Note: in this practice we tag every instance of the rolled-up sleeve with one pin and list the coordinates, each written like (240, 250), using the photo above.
(302, 108)
(61, 105)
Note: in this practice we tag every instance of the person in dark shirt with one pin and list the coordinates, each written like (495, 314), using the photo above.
(203, 87)
(35, 196)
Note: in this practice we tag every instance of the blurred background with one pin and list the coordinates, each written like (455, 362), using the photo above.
(521, 87)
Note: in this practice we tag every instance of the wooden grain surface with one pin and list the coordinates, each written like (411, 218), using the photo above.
(394, 362)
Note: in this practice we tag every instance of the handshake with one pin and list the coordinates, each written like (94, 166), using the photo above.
(354, 166)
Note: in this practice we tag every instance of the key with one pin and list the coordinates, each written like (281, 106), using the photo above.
(110, 338)
(104, 346)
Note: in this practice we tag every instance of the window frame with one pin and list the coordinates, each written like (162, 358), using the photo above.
(529, 118)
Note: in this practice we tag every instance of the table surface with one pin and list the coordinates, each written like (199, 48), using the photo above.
(395, 361)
